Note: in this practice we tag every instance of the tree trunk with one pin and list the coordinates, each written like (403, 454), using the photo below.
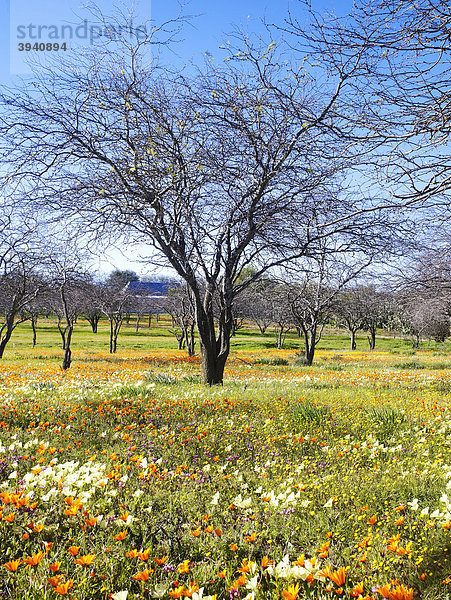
(372, 339)
(309, 345)
(67, 352)
(4, 341)
(33, 327)
(94, 323)
(262, 327)
(214, 350)
(353, 342)
(111, 337)
(150, 320)
(63, 332)
(138, 318)
(190, 340)
(8, 328)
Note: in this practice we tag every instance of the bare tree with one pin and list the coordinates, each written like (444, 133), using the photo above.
(21, 279)
(257, 303)
(180, 306)
(236, 165)
(91, 302)
(350, 311)
(280, 313)
(425, 317)
(313, 300)
(115, 305)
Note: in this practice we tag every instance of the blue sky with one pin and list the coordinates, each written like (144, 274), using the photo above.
(207, 30)
(211, 22)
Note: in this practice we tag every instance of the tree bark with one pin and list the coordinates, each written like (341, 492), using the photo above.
(214, 349)
(309, 345)
(8, 328)
(372, 339)
(67, 359)
(33, 327)
(353, 342)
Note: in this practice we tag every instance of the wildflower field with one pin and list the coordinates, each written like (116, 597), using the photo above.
(125, 478)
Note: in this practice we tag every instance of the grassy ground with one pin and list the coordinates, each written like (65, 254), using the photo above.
(126, 478)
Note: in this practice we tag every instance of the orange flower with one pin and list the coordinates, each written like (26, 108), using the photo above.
(291, 593)
(161, 561)
(176, 592)
(363, 558)
(144, 555)
(63, 588)
(9, 518)
(12, 565)
(132, 553)
(74, 550)
(400, 521)
(240, 581)
(189, 591)
(54, 581)
(372, 520)
(245, 566)
(300, 561)
(120, 536)
(55, 567)
(357, 590)
(124, 517)
(91, 521)
(85, 560)
(250, 538)
(142, 575)
(208, 529)
(196, 532)
(233, 547)
(222, 574)
(183, 567)
(339, 576)
(218, 532)
(266, 562)
(34, 560)
(400, 592)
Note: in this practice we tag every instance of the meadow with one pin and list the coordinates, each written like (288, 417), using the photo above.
(125, 478)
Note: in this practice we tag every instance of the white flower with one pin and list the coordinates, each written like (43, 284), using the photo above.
(215, 499)
(413, 504)
(120, 595)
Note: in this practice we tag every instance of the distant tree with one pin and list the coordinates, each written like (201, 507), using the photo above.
(115, 305)
(258, 303)
(92, 301)
(425, 317)
(118, 278)
(377, 307)
(280, 313)
(180, 306)
(21, 279)
(350, 311)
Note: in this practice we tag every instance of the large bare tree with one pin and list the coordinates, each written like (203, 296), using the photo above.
(237, 164)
